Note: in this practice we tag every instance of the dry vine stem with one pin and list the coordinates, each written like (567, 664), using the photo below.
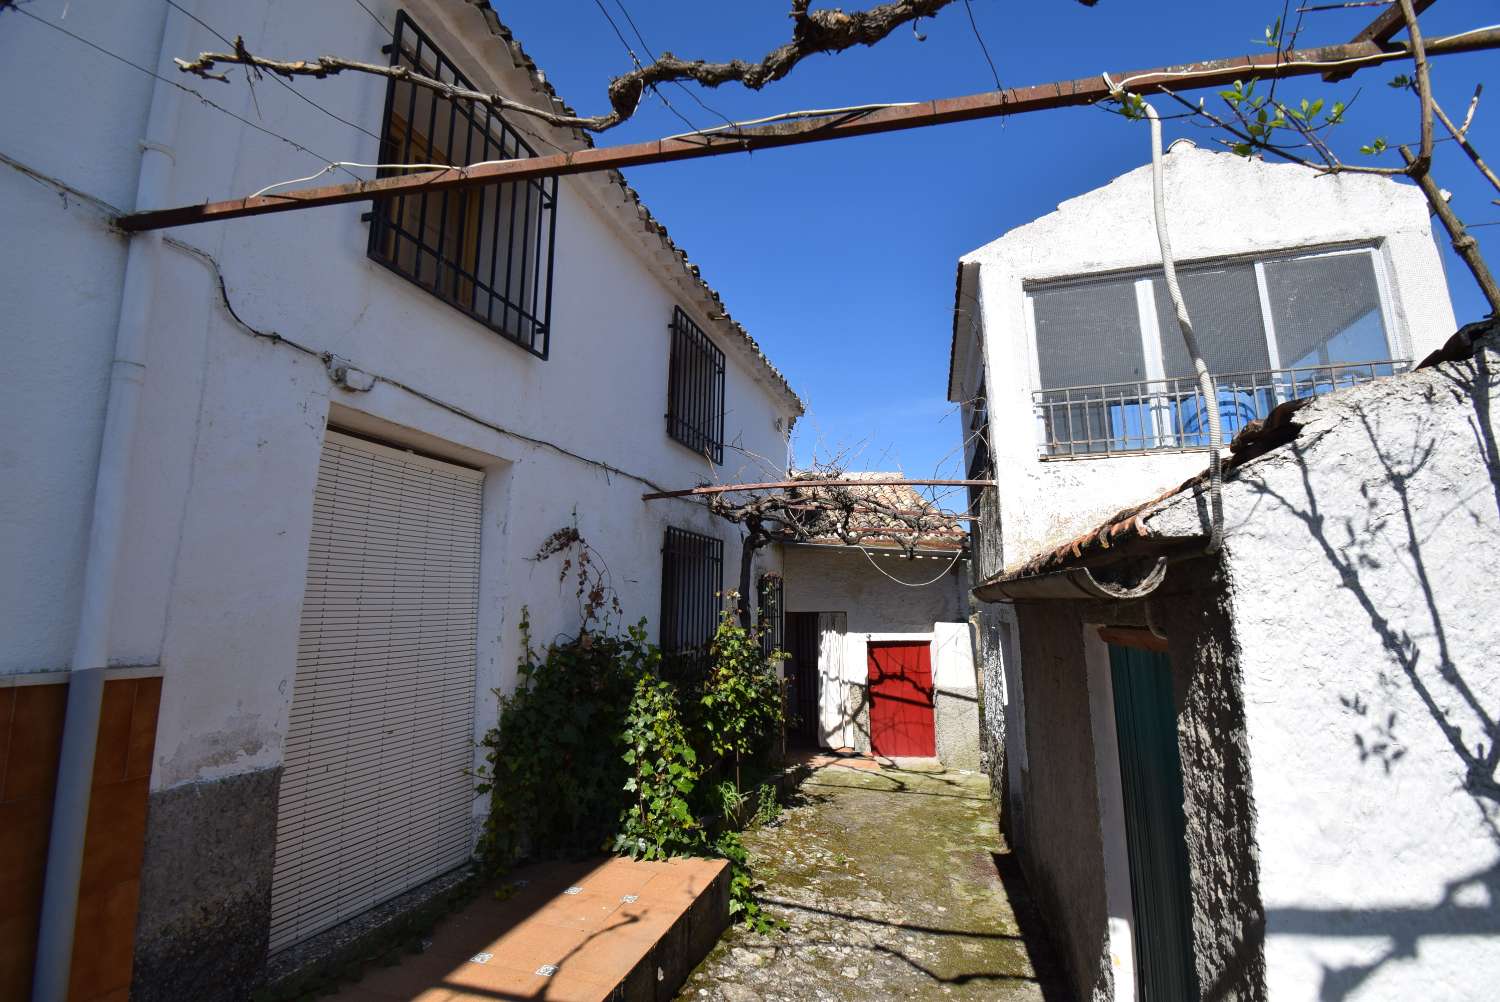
(813, 31)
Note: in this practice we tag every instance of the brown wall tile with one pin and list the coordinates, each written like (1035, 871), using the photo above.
(7, 706)
(114, 731)
(35, 739)
(116, 836)
(143, 728)
(104, 941)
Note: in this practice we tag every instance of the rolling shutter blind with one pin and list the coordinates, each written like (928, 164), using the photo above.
(374, 797)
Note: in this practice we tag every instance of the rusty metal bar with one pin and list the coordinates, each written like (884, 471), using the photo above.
(1016, 101)
(1386, 26)
(783, 484)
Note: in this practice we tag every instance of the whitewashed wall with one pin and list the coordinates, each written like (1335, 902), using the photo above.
(1218, 205)
(1364, 582)
(841, 579)
(221, 491)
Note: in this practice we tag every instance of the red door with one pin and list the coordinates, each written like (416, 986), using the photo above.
(901, 699)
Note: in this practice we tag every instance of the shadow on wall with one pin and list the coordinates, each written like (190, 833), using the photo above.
(1421, 661)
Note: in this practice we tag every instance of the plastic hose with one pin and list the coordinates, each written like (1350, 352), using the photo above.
(1205, 380)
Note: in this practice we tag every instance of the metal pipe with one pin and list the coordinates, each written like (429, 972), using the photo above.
(75, 771)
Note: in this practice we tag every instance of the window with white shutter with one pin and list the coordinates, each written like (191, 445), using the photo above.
(375, 798)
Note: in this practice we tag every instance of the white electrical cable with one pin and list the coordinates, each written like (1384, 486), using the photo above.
(336, 164)
(1205, 380)
(910, 584)
(787, 115)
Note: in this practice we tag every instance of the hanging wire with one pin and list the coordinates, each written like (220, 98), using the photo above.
(220, 36)
(187, 90)
(969, 7)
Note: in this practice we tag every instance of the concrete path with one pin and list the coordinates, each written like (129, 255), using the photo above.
(895, 884)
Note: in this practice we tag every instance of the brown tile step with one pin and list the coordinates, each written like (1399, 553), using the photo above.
(604, 929)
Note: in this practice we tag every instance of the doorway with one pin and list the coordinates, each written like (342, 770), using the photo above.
(802, 679)
(901, 717)
(1155, 829)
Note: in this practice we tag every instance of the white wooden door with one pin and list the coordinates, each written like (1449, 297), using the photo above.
(375, 798)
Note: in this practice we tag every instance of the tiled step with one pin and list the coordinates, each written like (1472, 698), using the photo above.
(606, 929)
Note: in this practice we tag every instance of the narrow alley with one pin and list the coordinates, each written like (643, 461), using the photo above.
(894, 883)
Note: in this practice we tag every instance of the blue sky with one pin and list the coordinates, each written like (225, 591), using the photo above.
(839, 257)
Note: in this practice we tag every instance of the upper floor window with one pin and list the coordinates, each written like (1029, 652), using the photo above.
(1114, 372)
(692, 580)
(695, 389)
(486, 251)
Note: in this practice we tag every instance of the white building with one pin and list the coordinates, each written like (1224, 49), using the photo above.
(881, 650)
(1235, 774)
(283, 475)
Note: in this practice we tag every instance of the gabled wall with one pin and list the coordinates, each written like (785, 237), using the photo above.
(1218, 206)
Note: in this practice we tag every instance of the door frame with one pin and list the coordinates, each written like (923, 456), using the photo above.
(1118, 902)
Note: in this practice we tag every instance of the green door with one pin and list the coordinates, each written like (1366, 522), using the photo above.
(1151, 780)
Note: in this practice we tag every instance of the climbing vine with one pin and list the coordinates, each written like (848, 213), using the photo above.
(604, 745)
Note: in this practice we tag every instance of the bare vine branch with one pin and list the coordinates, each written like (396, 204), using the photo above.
(813, 31)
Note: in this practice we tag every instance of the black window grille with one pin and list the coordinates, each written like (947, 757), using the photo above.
(692, 579)
(981, 464)
(695, 393)
(771, 614)
(486, 251)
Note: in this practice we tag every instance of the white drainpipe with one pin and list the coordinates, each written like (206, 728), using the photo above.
(75, 769)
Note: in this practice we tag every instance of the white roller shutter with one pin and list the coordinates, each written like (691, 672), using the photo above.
(374, 793)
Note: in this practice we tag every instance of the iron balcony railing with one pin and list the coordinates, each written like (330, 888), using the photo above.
(1153, 415)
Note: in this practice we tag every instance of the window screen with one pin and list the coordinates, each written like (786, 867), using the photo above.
(1088, 334)
(1326, 310)
(1224, 304)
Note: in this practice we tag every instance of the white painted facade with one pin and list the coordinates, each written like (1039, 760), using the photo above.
(219, 501)
(1220, 207)
(1364, 578)
(929, 607)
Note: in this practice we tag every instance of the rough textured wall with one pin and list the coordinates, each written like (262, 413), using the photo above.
(1193, 608)
(206, 889)
(1366, 583)
(1063, 856)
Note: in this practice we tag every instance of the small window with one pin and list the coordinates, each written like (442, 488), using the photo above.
(692, 579)
(486, 251)
(771, 617)
(695, 390)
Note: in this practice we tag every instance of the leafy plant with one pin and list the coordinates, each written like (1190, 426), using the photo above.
(604, 744)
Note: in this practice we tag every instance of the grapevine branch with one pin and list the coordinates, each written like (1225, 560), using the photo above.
(828, 30)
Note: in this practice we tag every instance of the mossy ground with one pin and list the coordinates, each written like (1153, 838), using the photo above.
(890, 884)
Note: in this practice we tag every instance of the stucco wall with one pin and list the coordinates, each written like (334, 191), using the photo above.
(1365, 587)
(841, 579)
(221, 491)
(1219, 206)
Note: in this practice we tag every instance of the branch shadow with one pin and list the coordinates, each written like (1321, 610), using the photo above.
(1364, 549)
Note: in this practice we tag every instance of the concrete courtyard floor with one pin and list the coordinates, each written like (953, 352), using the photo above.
(894, 883)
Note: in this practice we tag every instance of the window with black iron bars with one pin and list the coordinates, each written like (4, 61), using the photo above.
(692, 581)
(695, 389)
(771, 617)
(486, 251)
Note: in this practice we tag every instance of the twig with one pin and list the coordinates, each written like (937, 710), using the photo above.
(1424, 89)
(1463, 243)
(1461, 137)
(830, 30)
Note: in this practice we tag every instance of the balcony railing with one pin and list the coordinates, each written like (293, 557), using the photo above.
(1154, 415)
